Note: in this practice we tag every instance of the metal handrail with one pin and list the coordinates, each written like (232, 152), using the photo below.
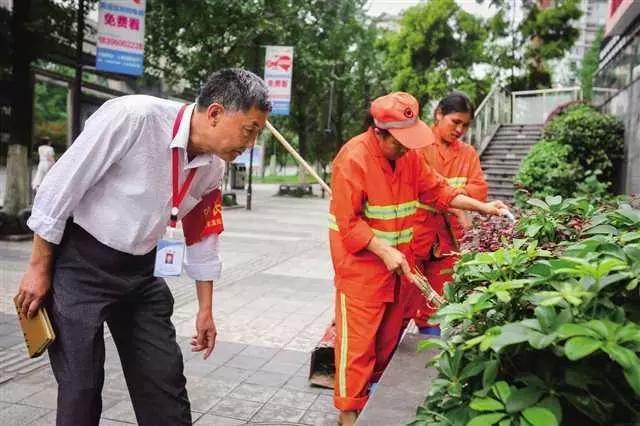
(494, 110)
(534, 106)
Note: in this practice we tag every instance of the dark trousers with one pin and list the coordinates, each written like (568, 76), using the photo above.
(93, 283)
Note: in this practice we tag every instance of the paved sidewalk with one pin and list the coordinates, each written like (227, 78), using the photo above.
(271, 307)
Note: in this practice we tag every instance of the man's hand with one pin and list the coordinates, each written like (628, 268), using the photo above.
(36, 282)
(205, 338)
(33, 288)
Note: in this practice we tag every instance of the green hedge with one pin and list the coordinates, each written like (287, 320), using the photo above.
(577, 154)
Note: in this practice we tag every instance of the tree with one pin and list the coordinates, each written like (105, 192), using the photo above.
(330, 42)
(589, 65)
(435, 50)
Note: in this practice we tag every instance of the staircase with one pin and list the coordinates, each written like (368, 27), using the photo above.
(501, 158)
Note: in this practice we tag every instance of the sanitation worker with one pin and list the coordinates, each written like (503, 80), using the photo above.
(437, 232)
(378, 179)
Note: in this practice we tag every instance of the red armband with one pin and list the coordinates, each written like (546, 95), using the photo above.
(204, 219)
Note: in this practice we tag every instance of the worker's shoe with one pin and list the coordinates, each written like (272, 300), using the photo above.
(347, 418)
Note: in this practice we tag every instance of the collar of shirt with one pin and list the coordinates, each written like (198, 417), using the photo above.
(182, 139)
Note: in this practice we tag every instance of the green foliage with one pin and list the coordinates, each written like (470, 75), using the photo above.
(547, 169)
(589, 65)
(575, 157)
(50, 113)
(596, 139)
(538, 337)
(435, 50)
(331, 45)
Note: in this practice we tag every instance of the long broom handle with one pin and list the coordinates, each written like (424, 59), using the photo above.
(297, 156)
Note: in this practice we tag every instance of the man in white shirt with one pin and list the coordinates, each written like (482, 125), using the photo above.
(140, 164)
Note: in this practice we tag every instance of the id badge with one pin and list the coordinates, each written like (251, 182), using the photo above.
(169, 256)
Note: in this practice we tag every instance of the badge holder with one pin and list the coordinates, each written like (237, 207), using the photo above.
(170, 252)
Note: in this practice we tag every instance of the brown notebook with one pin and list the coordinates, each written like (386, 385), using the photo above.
(37, 331)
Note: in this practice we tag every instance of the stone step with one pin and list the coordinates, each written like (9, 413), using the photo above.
(521, 126)
(509, 144)
(497, 150)
(516, 138)
(502, 159)
(499, 167)
(494, 180)
(501, 194)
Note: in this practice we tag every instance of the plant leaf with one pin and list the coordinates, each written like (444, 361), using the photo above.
(623, 356)
(579, 347)
(571, 330)
(602, 230)
(538, 203)
(431, 344)
(502, 390)
(633, 378)
(486, 404)
(552, 404)
(486, 419)
(472, 369)
(523, 398)
(490, 373)
(539, 416)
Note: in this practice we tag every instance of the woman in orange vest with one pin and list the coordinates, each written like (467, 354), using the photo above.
(378, 178)
(437, 233)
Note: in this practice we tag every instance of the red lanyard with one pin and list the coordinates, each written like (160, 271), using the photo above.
(178, 193)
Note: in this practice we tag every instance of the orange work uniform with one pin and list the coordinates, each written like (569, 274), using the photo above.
(460, 165)
(372, 198)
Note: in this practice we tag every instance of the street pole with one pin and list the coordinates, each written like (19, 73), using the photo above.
(77, 81)
(327, 130)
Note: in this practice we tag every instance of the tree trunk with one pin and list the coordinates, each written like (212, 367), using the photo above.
(17, 193)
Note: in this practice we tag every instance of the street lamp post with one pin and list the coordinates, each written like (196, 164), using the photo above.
(77, 81)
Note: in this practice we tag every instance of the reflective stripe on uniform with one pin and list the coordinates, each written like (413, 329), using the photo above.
(344, 341)
(391, 211)
(457, 181)
(392, 238)
(332, 223)
(427, 207)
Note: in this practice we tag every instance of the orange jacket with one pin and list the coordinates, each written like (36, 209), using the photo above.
(460, 165)
(370, 198)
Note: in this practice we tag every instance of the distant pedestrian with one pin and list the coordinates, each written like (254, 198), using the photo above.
(46, 158)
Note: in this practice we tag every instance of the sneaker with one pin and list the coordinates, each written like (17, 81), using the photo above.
(432, 330)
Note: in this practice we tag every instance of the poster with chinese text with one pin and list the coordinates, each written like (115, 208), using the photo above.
(278, 70)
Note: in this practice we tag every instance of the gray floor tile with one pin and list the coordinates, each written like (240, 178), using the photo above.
(47, 420)
(280, 367)
(17, 414)
(259, 351)
(273, 413)
(267, 379)
(323, 403)
(320, 418)
(252, 392)
(15, 392)
(246, 362)
(293, 398)
(230, 374)
(47, 398)
(213, 420)
(236, 408)
(122, 411)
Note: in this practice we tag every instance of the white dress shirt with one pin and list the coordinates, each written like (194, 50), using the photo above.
(115, 180)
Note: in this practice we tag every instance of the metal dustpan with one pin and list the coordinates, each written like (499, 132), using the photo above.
(323, 365)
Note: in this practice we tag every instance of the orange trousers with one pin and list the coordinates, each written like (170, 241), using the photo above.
(367, 334)
(439, 272)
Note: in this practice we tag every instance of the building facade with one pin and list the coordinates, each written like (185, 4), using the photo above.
(617, 82)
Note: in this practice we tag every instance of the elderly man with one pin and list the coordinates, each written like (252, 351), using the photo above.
(140, 165)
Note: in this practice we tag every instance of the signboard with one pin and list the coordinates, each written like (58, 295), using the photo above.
(278, 69)
(120, 41)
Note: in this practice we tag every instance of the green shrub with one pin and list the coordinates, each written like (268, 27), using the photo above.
(543, 337)
(597, 139)
(576, 156)
(548, 170)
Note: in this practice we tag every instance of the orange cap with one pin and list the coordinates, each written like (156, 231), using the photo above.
(398, 112)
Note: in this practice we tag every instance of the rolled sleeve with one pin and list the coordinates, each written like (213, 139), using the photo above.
(202, 260)
(46, 227)
(358, 237)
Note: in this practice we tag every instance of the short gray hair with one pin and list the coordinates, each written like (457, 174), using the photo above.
(236, 90)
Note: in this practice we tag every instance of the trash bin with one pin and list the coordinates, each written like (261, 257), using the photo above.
(238, 175)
